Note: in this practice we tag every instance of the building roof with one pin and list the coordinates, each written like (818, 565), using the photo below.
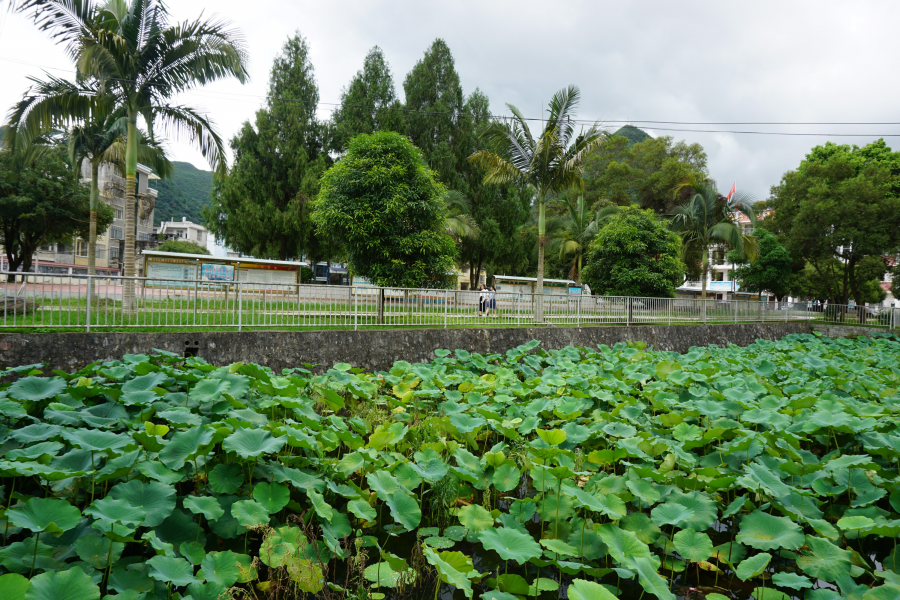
(221, 259)
(532, 279)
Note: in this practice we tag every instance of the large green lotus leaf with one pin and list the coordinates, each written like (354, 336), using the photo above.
(559, 547)
(73, 584)
(431, 469)
(153, 469)
(768, 593)
(205, 591)
(405, 510)
(322, 508)
(453, 568)
(193, 552)
(96, 440)
(156, 499)
(644, 490)
(392, 572)
(226, 478)
(760, 477)
(36, 388)
(670, 513)
(506, 477)
(553, 437)
(824, 560)
(556, 507)
(125, 579)
(510, 544)
(171, 570)
(273, 496)
(623, 546)
(791, 580)
(179, 527)
(407, 476)
(650, 580)
(765, 532)
(14, 586)
(207, 506)
(753, 566)
(208, 390)
(95, 550)
(52, 515)
(35, 451)
(693, 545)
(111, 510)
(855, 523)
(250, 443)
(281, 544)
(581, 589)
(144, 383)
(588, 543)
(362, 509)
(640, 524)
(221, 568)
(475, 518)
(704, 509)
(249, 513)
(36, 432)
(184, 445)
(19, 557)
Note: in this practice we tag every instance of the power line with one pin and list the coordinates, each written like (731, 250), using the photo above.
(648, 124)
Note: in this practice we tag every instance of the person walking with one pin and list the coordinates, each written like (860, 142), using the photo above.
(491, 301)
(482, 300)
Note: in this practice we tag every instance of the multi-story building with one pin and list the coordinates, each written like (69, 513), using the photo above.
(183, 230)
(72, 257)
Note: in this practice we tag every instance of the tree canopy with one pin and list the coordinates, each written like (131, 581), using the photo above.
(262, 207)
(772, 271)
(650, 173)
(182, 247)
(386, 209)
(42, 202)
(634, 254)
(841, 204)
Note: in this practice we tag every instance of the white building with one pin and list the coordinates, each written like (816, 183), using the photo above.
(183, 230)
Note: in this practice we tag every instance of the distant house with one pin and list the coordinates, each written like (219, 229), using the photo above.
(182, 230)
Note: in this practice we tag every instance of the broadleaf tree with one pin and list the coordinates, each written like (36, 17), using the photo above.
(262, 207)
(772, 271)
(634, 254)
(386, 210)
(842, 203)
(42, 202)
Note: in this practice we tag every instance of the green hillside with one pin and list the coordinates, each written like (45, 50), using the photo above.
(184, 195)
(633, 134)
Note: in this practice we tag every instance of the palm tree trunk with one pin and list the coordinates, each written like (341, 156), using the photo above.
(128, 304)
(703, 282)
(539, 284)
(92, 233)
(579, 269)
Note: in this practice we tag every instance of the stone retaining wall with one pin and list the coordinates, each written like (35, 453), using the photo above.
(371, 349)
(835, 331)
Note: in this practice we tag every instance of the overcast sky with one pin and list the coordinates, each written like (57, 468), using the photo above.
(665, 61)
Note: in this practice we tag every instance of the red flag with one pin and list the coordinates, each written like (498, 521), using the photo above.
(733, 185)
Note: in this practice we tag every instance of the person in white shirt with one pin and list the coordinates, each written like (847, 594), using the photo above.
(491, 302)
(482, 300)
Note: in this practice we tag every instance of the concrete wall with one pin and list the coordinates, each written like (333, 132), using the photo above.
(371, 350)
(836, 331)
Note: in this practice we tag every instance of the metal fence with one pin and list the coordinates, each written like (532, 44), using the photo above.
(96, 302)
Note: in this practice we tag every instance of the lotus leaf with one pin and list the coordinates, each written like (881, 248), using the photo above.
(207, 506)
(791, 580)
(272, 496)
(824, 560)
(249, 513)
(36, 388)
(251, 443)
(226, 478)
(453, 568)
(510, 544)
(157, 500)
(221, 568)
(14, 586)
(692, 545)
(475, 518)
(52, 515)
(753, 566)
(405, 510)
(176, 571)
(96, 551)
(765, 532)
(184, 445)
(581, 589)
(63, 585)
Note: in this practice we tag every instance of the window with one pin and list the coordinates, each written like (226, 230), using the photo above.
(199, 235)
(113, 253)
(116, 233)
(120, 214)
(47, 248)
(81, 248)
(61, 248)
(101, 252)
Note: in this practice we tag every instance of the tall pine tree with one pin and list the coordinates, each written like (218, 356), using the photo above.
(262, 206)
(368, 104)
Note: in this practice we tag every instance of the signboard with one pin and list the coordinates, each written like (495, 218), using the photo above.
(574, 291)
(268, 274)
(169, 270)
(216, 272)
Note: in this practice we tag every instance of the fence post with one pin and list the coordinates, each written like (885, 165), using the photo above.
(785, 313)
(240, 305)
(703, 308)
(446, 303)
(380, 302)
(90, 287)
(355, 307)
(669, 310)
(628, 314)
(735, 311)
(578, 311)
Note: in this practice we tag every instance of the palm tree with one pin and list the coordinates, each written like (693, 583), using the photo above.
(459, 223)
(98, 139)
(551, 163)
(573, 232)
(707, 219)
(142, 60)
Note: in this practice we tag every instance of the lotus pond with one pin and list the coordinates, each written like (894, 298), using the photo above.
(768, 472)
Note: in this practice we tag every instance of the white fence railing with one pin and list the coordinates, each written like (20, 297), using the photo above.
(88, 302)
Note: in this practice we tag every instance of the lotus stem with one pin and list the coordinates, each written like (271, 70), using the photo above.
(37, 539)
